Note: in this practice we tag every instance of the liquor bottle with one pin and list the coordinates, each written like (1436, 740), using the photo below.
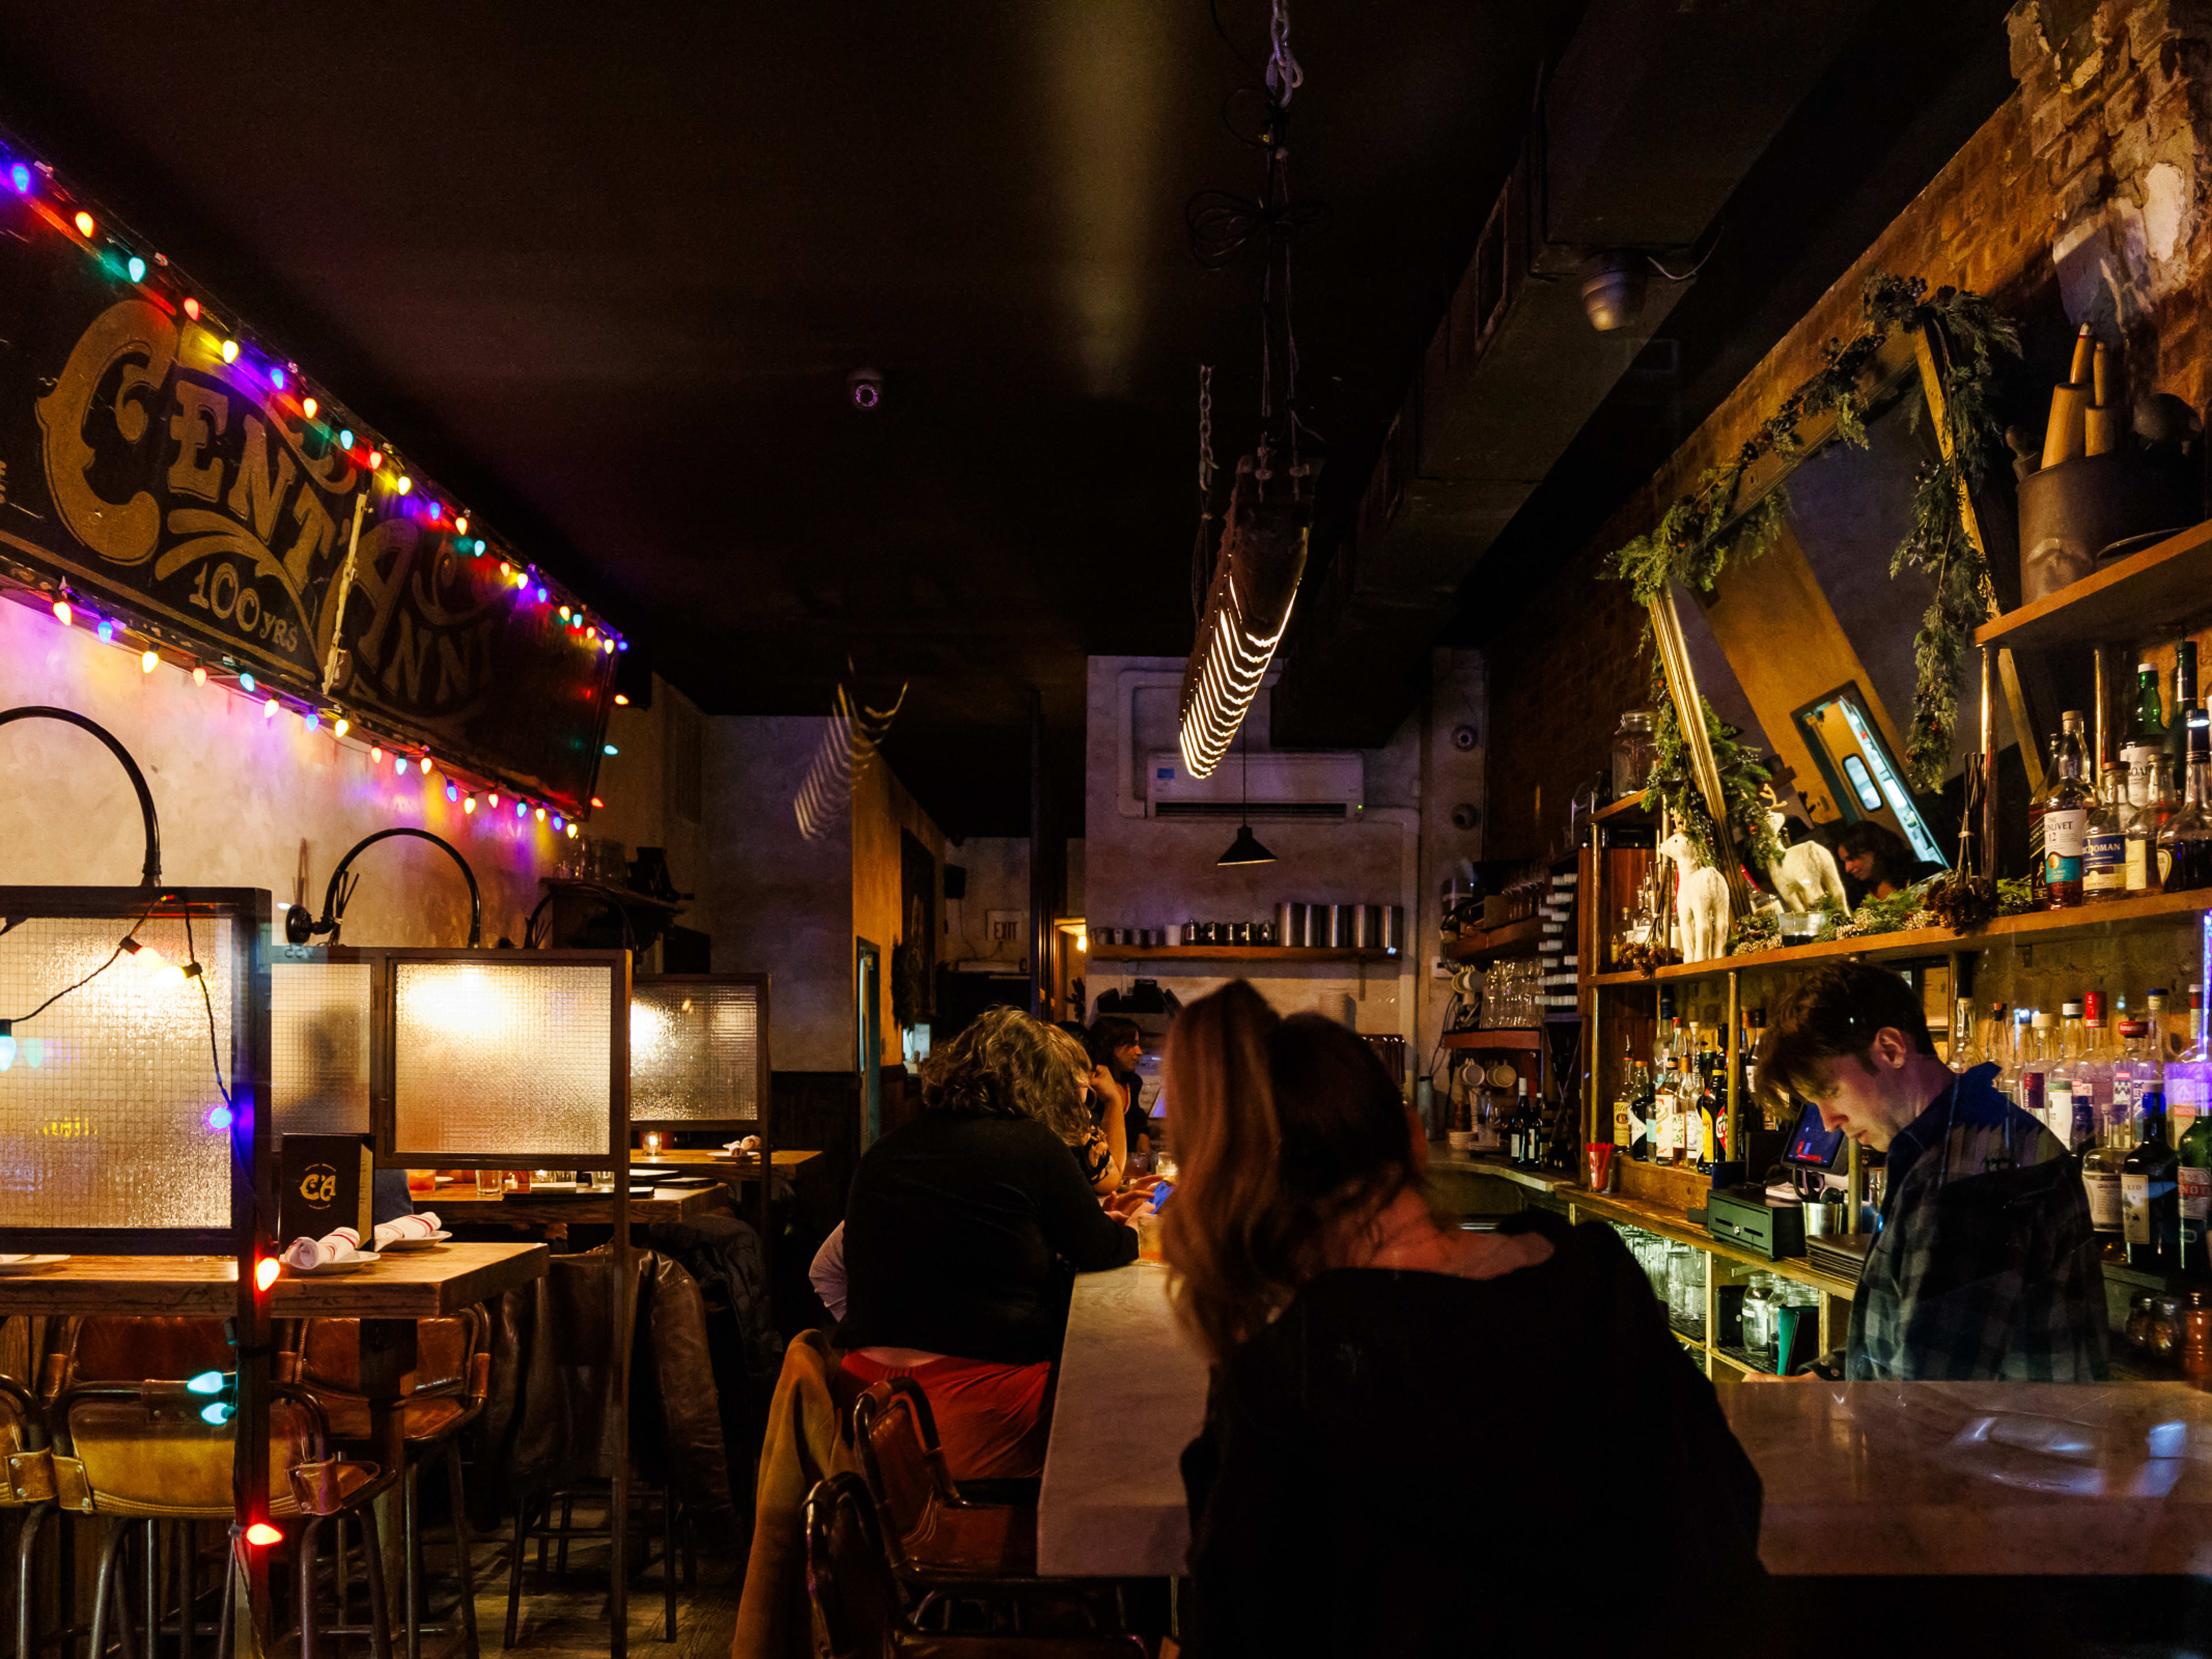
(2065, 821)
(2184, 846)
(1640, 1124)
(2194, 1174)
(2104, 840)
(1532, 1125)
(2102, 1167)
(2036, 807)
(2058, 1079)
(2150, 1206)
(1624, 1109)
(1711, 1115)
(2013, 1037)
(2144, 741)
(1755, 1033)
(2035, 1066)
(2092, 1090)
(1665, 1128)
(2184, 703)
(2142, 827)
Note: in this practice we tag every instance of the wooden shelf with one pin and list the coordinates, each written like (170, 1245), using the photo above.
(1629, 809)
(2036, 927)
(1234, 953)
(2147, 594)
(1515, 939)
(1502, 1037)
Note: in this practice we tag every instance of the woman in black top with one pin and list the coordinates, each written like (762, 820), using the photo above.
(1422, 1440)
(960, 1234)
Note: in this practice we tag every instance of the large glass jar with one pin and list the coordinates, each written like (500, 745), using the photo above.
(1634, 752)
(1758, 1318)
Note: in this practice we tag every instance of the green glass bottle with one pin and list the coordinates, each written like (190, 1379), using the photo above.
(2195, 1154)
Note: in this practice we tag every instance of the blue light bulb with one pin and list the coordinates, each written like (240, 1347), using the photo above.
(541, 596)
(453, 792)
(399, 767)
(345, 437)
(20, 176)
(558, 820)
(205, 1383)
(521, 810)
(137, 267)
(217, 1414)
(220, 1119)
(7, 1050)
(245, 682)
(610, 749)
(106, 631)
(277, 377)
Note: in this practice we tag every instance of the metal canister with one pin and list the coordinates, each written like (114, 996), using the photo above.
(1394, 928)
(1190, 932)
(1240, 933)
(1342, 923)
(1290, 923)
(1367, 928)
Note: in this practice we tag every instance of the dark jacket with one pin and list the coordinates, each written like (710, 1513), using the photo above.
(1410, 1464)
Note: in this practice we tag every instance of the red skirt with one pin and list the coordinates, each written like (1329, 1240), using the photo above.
(992, 1419)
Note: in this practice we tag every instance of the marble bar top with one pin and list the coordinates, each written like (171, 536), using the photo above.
(1918, 1479)
(1130, 1396)
(1937, 1477)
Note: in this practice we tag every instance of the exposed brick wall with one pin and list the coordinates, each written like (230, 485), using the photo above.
(2055, 208)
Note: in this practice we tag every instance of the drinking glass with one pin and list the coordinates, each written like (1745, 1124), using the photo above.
(490, 1183)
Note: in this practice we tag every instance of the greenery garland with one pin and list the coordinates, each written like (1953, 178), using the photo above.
(1686, 546)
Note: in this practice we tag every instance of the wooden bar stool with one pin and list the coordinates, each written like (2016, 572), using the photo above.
(444, 1394)
(141, 1450)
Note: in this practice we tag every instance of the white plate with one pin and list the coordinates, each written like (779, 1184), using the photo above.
(536, 1187)
(419, 1242)
(28, 1264)
(351, 1265)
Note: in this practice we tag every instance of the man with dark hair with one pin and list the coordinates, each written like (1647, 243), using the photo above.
(1986, 1266)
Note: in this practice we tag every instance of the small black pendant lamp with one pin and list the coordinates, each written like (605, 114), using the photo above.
(1246, 848)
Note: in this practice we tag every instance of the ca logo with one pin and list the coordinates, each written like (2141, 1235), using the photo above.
(319, 1186)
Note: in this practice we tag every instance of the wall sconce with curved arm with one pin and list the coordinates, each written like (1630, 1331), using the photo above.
(152, 876)
(300, 927)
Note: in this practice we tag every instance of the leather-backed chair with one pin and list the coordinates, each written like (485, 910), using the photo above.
(29, 1486)
(857, 1605)
(947, 1550)
(442, 1396)
(129, 1443)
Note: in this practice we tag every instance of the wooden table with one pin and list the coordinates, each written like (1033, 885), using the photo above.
(404, 1286)
(1130, 1396)
(455, 1205)
(745, 1167)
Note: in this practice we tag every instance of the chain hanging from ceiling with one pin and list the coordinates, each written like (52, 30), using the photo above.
(848, 745)
(1244, 604)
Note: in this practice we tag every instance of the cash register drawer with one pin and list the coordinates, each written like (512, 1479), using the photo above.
(1748, 1221)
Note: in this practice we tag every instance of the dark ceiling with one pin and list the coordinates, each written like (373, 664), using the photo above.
(605, 273)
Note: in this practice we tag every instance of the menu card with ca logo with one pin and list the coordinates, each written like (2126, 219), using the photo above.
(327, 1182)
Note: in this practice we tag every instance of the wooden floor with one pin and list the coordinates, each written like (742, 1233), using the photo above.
(560, 1620)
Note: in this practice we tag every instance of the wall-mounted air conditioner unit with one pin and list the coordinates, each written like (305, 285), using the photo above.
(1282, 786)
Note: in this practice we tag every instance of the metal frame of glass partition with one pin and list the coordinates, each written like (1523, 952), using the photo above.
(651, 990)
(248, 1237)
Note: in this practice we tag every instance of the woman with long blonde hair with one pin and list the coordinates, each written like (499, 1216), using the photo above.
(1420, 1437)
(960, 1234)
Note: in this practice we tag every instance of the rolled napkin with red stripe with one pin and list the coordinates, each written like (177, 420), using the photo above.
(308, 1253)
(406, 1226)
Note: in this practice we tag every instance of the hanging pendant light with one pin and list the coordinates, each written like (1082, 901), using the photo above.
(1246, 848)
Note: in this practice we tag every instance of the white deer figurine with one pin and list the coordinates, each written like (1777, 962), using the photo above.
(1806, 875)
(1701, 901)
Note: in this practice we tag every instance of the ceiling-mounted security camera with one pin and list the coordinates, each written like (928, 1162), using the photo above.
(866, 388)
(1612, 290)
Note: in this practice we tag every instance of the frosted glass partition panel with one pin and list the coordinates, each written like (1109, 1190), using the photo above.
(696, 1050)
(107, 1102)
(502, 1059)
(319, 1020)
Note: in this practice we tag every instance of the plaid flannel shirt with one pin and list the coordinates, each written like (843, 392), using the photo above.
(1986, 1267)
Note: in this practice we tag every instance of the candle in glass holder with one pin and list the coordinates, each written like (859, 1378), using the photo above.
(653, 1140)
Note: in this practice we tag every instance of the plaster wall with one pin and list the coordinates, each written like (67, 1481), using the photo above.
(1142, 871)
(243, 800)
(774, 901)
(998, 869)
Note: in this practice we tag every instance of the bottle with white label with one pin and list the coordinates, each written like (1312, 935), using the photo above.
(2035, 1068)
(2150, 1198)
(2066, 821)
(2105, 846)
(2058, 1080)
(2100, 1169)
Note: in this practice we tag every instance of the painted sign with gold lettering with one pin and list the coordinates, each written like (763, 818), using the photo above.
(194, 492)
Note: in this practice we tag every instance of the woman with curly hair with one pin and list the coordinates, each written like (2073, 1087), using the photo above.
(1415, 1431)
(960, 1236)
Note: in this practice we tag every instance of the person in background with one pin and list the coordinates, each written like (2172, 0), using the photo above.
(961, 1233)
(1415, 1429)
(1986, 1266)
(1116, 1045)
(1098, 1136)
(1876, 863)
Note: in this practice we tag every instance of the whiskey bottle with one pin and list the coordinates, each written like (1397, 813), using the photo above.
(2184, 846)
(2104, 842)
(2150, 1208)
(2065, 821)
